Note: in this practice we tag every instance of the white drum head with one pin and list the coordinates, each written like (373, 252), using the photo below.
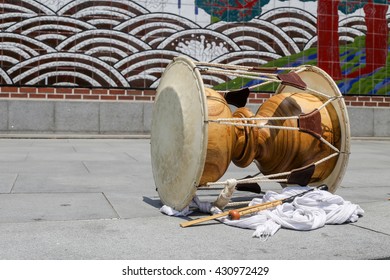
(319, 80)
(179, 133)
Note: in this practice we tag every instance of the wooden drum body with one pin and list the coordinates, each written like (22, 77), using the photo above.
(298, 136)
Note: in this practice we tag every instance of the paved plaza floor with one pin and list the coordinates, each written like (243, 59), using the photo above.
(95, 199)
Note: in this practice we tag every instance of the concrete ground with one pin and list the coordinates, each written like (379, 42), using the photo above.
(96, 199)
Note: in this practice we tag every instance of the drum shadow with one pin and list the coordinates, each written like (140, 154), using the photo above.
(154, 202)
(205, 224)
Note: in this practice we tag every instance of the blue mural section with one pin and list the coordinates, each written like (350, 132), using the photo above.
(374, 83)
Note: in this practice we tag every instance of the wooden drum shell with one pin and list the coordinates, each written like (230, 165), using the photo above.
(189, 149)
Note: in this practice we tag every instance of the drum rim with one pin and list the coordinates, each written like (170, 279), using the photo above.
(193, 182)
(333, 180)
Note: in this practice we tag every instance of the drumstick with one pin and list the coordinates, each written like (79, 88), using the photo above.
(236, 214)
(257, 208)
(216, 216)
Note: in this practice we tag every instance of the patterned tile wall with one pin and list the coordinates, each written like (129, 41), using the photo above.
(123, 44)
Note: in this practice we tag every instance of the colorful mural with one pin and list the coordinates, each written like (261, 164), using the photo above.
(127, 44)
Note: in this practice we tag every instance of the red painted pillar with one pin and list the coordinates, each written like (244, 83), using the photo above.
(328, 37)
(376, 36)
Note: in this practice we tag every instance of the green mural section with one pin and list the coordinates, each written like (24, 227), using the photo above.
(352, 58)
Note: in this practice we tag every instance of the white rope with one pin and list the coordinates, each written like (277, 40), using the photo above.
(264, 178)
(327, 102)
(220, 65)
(319, 93)
(261, 84)
(329, 144)
(237, 203)
(241, 72)
(300, 69)
(267, 178)
(225, 121)
(257, 125)
(253, 76)
(256, 119)
(326, 158)
(226, 194)
(232, 66)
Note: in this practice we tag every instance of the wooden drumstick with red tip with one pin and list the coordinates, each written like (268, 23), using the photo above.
(236, 214)
(215, 216)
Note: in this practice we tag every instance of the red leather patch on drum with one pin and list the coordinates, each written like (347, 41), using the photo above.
(311, 123)
(292, 79)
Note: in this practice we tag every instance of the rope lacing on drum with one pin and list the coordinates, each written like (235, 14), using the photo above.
(243, 67)
(257, 179)
(264, 74)
(268, 178)
(255, 73)
(251, 122)
(237, 122)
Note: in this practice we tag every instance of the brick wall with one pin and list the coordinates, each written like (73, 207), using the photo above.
(50, 93)
(368, 101)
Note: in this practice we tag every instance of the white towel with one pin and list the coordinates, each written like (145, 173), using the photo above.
(310, 211)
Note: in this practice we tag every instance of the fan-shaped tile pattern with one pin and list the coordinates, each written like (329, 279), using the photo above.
(66, 69)
(117, 43)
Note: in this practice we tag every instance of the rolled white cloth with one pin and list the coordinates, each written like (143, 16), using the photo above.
(307, 212)
(167, 210)
(205, 207)
(310, 211)
(337, 209)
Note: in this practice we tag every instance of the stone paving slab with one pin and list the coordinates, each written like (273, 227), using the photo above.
(7, 181)
(96, 199)
(13, 156)
(371, 220)
(27, 207)
(364, 194)
(43, 167)
(160, 237)
(76, 156)
(56, 183)
(129, 205)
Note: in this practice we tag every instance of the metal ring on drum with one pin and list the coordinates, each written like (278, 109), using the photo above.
(299, 136)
